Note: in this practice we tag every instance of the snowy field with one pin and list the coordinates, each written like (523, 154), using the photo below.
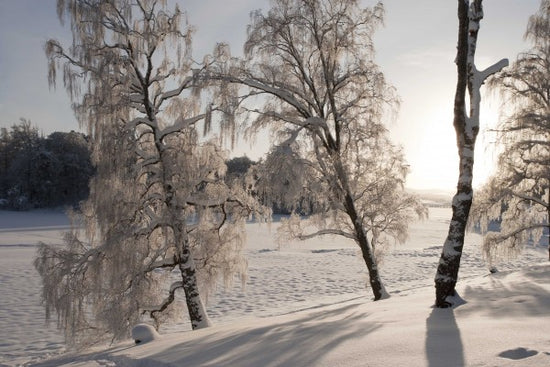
(305, 304)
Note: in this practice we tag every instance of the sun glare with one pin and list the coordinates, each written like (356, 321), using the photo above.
(432, 152)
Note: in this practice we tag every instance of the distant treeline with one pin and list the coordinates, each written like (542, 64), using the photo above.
(53, 171)
(39, 172)
(44, 172)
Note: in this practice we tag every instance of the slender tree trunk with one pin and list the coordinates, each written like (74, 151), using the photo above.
(377, 286)
(467, 128)
(375, 281)
(449, 263)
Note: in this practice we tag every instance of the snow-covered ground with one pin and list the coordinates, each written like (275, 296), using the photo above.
(305, 304)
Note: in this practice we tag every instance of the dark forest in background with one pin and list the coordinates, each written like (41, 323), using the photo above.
(54, 171)
(40, 172)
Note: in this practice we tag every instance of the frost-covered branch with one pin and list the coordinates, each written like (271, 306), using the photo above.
(179, 125)
(325, 232)
(530, 198)
(174, 92)
(278, 92)
(154, 310)
(493, 69)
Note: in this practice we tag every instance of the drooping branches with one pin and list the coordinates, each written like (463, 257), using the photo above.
(518, 195)
(158, 204)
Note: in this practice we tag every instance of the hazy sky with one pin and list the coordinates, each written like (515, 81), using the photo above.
(415, 49)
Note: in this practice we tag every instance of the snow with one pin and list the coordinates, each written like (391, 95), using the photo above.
(306, 305)
(23, 334)
(143, 333)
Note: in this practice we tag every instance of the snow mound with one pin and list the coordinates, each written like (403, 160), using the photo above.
(143, 333)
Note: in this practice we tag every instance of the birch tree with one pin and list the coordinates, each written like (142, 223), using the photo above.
(466, 124)
(159, 219)
(518, 194)
(312, 79)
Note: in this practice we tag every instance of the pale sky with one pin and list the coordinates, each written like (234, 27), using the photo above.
(415, 49)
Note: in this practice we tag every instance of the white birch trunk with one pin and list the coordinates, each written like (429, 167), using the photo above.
(467, 128)
(195, 306)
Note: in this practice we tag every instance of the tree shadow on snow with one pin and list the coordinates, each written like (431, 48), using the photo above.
(507, 299)
(443, 343)
(103, 358)
(300, 342)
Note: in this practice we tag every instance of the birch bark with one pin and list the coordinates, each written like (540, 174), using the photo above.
(467, 127)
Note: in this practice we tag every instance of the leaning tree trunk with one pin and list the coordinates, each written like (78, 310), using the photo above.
(376, 284)
(467, 128)
(367, 252)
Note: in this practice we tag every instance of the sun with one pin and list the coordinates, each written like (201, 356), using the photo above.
(431, 151)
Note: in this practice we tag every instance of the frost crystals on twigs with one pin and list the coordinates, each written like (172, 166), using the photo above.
(160, 218)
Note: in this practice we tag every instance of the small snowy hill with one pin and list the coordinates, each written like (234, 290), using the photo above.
(504, 322)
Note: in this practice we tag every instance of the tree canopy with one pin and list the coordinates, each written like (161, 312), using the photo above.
(518, 195)
(160, 219)
(309, 66)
